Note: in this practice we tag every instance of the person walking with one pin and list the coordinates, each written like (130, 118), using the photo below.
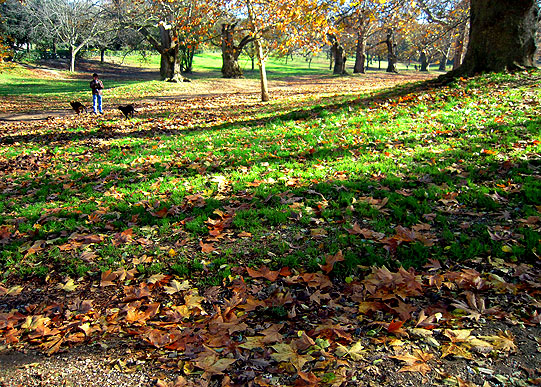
(97, 86)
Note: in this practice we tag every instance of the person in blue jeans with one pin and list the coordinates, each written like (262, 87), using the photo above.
(97, 86)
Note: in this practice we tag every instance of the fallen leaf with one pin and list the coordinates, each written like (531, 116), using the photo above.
(176, 286)
(212, 364)
(331, 261)
(69, 286)
(207, 247)
(285, 353)
(263, 272)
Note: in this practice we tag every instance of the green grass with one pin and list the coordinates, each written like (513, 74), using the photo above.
(457, 164)
(211, 62)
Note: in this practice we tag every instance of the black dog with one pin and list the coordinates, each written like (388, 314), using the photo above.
(78, 107)
(127, 110)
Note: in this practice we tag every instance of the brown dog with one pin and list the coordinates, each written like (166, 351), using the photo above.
(78, 107)
(127, 110)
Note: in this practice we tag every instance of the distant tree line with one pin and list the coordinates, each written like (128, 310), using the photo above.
(458, 32)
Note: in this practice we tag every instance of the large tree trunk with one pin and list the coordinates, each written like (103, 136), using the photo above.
(73, 54)
(339, 59)
(424, 61)
(444, 59)
(502, 36)
(102, 55)
(169, 61)
(230, 53)
(391, 55)
(72, 59)
(170, 66)
(360, 56)
(169, 52)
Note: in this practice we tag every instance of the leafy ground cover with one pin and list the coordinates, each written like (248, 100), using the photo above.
(339, 235)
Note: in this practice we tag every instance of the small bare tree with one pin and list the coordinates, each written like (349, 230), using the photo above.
(75, 23)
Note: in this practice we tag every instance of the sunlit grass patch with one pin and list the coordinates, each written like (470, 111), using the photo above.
(447, 173)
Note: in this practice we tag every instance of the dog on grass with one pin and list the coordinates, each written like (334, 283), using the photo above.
(78, 107)
(127, 110)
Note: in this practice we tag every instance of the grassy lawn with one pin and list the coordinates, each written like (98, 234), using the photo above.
(211, 62)
(344, 231)
(396, 179)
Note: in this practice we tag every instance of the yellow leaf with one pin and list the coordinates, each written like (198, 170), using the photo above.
(253, 342)
(458, 335)
(69, 286)
(172, 253)
(14, 291)
(422, 368)
(176, 286)
(503, 342)
(507, 249)
(455, 350)
(356, 352)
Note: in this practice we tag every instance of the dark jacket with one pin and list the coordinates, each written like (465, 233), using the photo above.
(96, 86)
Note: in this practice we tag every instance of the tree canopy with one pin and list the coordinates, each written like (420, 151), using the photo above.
(500, 34)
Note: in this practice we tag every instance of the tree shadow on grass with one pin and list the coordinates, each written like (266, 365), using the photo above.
(298, 114)
(140, 210)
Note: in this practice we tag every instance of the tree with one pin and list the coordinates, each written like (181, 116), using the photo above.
(363, 17)
(502, 36)
(447, 20)
(338, 52)
(16, 24)
(280, 25)
(232, 51)
(75, 23)
(5, 50)
(174, 28)
(394, 17)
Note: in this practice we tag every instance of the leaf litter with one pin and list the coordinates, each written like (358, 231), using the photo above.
(468, 323)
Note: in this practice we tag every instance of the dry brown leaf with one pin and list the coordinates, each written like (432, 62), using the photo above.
(331, 261)
(288, 354)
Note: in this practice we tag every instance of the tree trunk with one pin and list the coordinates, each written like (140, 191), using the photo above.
(459, 46)
(186, 61)
(102, 55)
(339, 59)
(444, 59)
(391, 55)
(502, 36)
(360, 56)
(73, 54)
(169, 61)
(72, 59)
(423, 60)
(230, 53)
(170, 66)
(262, 70)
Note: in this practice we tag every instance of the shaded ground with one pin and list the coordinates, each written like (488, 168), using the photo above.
(325, 330)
